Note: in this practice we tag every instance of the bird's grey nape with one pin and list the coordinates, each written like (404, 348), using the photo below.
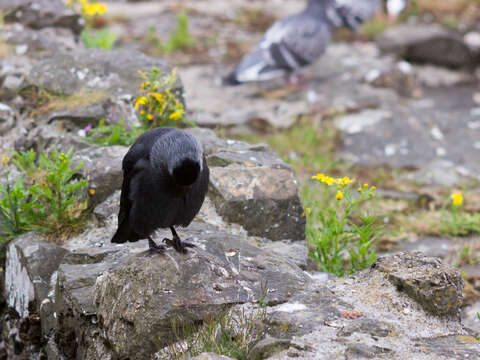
(169, 151)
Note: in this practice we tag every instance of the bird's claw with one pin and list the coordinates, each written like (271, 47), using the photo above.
(178, 244)
(152, 246)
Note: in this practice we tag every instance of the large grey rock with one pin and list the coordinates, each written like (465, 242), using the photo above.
(435, 286)
(370, 316)
(253, 187)
(41, 13)
(102, 167)
(149, 291)
(427, 44)
(30, 264)
(112, 71)
(263, 200)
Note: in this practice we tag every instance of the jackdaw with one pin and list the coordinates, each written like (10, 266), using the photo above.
(299, 40)
(165, 180)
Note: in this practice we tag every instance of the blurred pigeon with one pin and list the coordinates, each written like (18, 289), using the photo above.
(165, 179)
(300, 39)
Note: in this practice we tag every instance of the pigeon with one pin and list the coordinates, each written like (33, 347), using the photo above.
(165, 180)
(299, 40)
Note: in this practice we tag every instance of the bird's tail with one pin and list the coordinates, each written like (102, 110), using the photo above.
(231, 79)
(122, 233)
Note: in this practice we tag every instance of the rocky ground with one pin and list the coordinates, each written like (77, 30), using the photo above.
(401, 112)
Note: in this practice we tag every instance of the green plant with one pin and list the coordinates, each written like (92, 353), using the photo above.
(91, 11)
(231, 333)
(47, 198)
(339, 242)
(455, 221)
(158, 105)
(108, 135)
(101, 39)
(181, 38)
(16, 208)
(60, 194)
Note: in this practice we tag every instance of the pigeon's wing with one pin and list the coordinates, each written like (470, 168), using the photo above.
(289, 44)
(355, 12)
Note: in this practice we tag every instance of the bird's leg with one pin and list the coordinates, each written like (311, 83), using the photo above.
(152, 246)
(176, 243)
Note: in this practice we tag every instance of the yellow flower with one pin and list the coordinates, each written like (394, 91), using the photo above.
(457, 199)
(323, 178)
(360, 190)
(6, 160)
(339, 195)
(149, 116)
(142, 112)
(143, 100)
(94, 9)
(145, 85)
(365, 186)
(372, 189)
(91, 191)
(308, 211)
(175, 115)
(344, 181)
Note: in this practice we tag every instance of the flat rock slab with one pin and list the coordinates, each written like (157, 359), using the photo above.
(147, 292)
(427, 44)
(437, 135)
(39, 14)
(369, 316)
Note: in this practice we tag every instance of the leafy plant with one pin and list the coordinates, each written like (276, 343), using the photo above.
(108, 135)
(181, 38)
(457, 222)
(340, 243)
(48, 198)
(158, 105)
(16, 208)
(101, 39)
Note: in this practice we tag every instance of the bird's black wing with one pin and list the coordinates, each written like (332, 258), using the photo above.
(138, 151)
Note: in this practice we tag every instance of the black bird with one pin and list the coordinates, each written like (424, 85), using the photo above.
(165, 180)
(300, 39)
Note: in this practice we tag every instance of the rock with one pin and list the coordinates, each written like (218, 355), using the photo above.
(8, 118)
(268, 347)
(114, 72)
(435, 286)
(30, 264)
(141, 322)
(210, 356)
(297, 252)
(426, 44)
(355, 123)
(263, 200)
(39, 14)
(370, 316)
(102, 167)
(251, 186)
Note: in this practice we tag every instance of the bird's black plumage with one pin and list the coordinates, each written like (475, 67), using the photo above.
(165, 180)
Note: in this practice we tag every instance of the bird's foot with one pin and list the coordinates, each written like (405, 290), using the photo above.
(153, 247)
(177, 244)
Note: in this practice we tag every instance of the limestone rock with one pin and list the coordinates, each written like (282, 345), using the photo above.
(210, 356)
(41, 13)
(434, 285)
(149, 292)
(30, 264)
(102, 167)
(426, 44)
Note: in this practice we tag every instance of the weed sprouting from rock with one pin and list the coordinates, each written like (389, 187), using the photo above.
(340, 237)
(46, 197)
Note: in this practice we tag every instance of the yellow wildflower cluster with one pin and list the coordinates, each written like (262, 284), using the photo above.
(158, 105)
(457, 199)
(6, 160)
(341, 182)
(88, 8)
